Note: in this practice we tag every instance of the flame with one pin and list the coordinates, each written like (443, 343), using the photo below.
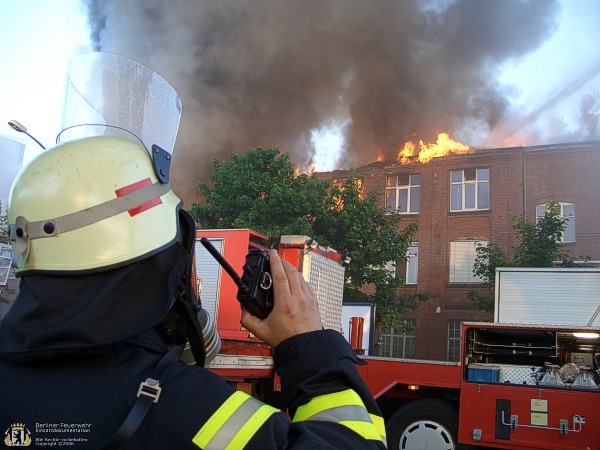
(310, 170)
(380, 156)
(338, 202)
(407, 153)
(444, 146)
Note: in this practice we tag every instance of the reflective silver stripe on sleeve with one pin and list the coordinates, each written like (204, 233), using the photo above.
(345, 408)
(355, 413)
(235, 422)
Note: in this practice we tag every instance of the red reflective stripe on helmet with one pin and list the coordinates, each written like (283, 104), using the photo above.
(134, 187)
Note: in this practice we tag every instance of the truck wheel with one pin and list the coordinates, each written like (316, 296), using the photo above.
(424, 424)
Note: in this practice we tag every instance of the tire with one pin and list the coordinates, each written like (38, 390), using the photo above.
(424, 424)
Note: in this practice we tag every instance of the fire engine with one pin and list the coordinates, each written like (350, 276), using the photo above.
(516, 386)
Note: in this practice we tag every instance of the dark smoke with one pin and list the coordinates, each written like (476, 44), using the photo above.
(267, 72)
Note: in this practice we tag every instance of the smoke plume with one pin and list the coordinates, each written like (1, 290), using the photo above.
(269, 72)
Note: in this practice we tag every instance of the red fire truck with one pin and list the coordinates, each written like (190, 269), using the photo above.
(516, 386)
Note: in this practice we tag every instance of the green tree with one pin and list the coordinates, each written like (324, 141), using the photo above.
(259, 190)
(539, 244)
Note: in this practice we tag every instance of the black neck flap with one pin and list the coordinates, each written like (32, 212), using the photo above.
(57, 316)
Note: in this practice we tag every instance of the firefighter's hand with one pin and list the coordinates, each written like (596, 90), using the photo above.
(295, 308)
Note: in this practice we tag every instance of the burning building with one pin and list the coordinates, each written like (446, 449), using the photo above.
(465, 198)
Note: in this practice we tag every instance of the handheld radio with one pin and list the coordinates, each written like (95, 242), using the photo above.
(255, 291)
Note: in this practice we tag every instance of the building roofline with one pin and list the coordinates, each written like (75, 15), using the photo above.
(578, 145)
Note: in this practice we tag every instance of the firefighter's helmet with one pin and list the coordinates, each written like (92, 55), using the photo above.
(92, 203)
(101, 197)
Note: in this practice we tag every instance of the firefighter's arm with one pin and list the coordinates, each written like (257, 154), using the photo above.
(320, 384)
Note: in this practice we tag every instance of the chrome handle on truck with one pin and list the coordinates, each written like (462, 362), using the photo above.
(578, 422)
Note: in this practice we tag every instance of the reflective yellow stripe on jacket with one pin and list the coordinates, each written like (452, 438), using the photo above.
(234, 423)
(345, 408)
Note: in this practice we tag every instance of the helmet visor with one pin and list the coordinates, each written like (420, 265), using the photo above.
(112, 95)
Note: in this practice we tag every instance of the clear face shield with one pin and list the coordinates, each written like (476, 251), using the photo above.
(112, 95)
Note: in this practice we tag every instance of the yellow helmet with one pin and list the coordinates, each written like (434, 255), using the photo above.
(88, 204)
(101, 196)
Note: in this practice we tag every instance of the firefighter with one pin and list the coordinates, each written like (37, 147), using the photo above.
(90, 349)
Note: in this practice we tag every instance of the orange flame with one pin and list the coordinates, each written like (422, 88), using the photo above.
(310, 170)
(444, 146)
(380, 156)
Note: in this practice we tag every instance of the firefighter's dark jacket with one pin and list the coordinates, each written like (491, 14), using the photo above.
(64, 383)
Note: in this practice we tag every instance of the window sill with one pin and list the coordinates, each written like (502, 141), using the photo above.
(465, 285)
(470, 212)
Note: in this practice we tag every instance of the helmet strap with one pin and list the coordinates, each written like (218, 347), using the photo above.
(23, 231)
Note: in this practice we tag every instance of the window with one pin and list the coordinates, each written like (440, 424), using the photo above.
(409, 269)
(339, 183)
(470, 189)
(412, 265)
(462, 258)
(567, 210)
(397, 344)
(402, 193)
(454, 330)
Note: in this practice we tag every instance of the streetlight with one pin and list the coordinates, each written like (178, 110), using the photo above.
(15, 125)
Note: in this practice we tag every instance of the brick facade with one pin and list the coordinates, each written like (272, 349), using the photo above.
(520, 178)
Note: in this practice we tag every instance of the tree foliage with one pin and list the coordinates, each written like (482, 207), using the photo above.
(539, 244)
(259, 190)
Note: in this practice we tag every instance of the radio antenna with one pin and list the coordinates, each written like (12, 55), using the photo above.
(223, 262)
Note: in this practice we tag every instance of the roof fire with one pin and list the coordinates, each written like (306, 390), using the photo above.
(444, 146)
